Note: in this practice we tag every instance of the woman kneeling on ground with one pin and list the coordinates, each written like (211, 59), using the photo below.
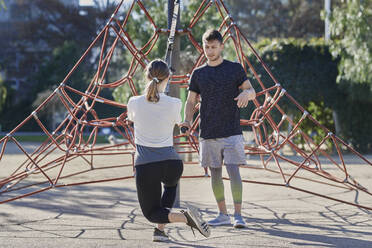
(156, 161)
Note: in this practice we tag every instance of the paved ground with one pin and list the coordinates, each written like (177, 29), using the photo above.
(108, 215)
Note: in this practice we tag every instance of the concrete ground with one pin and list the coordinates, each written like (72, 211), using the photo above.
(108, 215)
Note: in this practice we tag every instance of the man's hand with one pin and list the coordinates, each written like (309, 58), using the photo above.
(244, 97)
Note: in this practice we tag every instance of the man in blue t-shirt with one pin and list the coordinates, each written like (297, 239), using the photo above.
(223, 88)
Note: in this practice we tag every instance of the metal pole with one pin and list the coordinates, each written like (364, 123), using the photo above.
(327, 38)
(327, 9)
(173, 55)
(175, 66)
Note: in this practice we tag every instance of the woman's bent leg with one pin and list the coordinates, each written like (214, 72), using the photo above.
(172, 174)
(148, 182)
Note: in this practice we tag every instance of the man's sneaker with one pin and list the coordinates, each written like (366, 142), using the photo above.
(221, 219)
(159, 236)
(195, 221)
(238, 221)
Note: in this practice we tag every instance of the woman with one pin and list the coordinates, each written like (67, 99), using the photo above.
(156, 160)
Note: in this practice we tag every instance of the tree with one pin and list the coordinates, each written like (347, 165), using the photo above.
(53, 70)
(59, 22)
(277, 18)
(351, 30)
(138, 28)
(307, 71)
(54, 109)
(3, 94)
(2, 5)
(27, 49)
(43, 26)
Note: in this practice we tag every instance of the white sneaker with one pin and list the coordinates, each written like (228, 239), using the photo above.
(194, 220)
(221, 219)
(238, 221)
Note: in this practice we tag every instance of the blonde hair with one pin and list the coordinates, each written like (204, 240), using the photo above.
(156, 71)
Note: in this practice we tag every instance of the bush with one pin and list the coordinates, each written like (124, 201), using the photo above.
(307, 71)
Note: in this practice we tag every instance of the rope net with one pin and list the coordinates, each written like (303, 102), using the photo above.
(71, 151)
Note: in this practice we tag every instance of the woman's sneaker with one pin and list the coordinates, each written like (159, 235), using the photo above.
(221, 219)
(159, 236)
(238, 221)
(195, 221)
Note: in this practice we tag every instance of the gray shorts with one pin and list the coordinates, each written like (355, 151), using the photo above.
(215, 152)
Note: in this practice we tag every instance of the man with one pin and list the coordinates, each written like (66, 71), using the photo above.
(223, 88)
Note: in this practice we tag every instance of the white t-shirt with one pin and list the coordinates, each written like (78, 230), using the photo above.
(154, 122)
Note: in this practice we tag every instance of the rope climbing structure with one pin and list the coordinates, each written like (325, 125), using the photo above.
(70, 155)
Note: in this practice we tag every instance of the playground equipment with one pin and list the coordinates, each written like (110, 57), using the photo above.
(52, 164)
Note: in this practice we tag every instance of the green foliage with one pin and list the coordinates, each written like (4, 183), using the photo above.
(307, 71)
(323, 115)
(277, 18)
(140, 31)
(16, 113)
(138, 28)
(2, 5)
(210, 19)
(51, 73)
(3, 94)
(123, 93)
(54, 70)
(50, 31)
(355, 115)
(60, 22)
(351, 30)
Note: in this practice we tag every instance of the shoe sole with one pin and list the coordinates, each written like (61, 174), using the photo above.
(220, 223)
(160, 239)
(239, 226)
(194, 217)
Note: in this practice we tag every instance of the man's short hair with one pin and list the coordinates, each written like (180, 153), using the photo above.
(212, 34)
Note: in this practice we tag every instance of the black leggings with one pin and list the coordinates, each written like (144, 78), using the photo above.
(155, 205)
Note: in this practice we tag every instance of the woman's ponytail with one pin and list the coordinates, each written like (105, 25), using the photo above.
(152, 94)
(156, 71)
